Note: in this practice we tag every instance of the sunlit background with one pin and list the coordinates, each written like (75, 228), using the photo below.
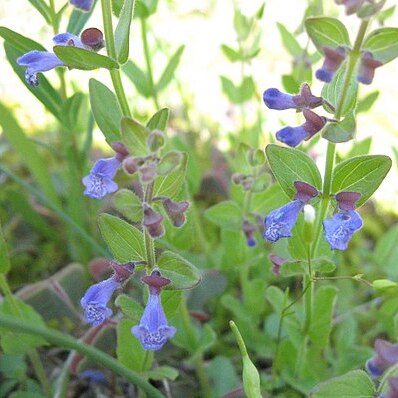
(203, 25)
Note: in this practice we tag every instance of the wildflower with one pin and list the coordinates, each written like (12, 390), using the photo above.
(277, 263)
(93, 39)
(339, 230)
(153, 222)
(97, 296)
(249, 230)
(293, 136)
(333, 59)
(275, 99)
(386, 356)
(84, 5)
(393, 388)
(42, 61)
(176, 211)
(351, 6)
(100, 182)
(279, 223)
(153, 330)
(367, 66)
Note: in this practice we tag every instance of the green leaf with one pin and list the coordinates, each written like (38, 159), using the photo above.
(289, 41)
(238, 94)
(289, 165)
(43, 9)
(322, 313)
(169, 71)
(385, 14)
(122, 31)
(331, 91)
(80, 58)
(383, 284)
(4, 258)
(23, 146)
(106, 110)
(230, 53)
(170, 185)
(361, 174)
(300, 267)
(130, 308)
(78, 19)
(145, 8)
(135, 136)
(383, 44)
(226, 215)
(124, 240)
(327, 32)
(19, 42)
(366, 103)
(341, 131)
(162, 372)
(128, 204)
(354, 384)
(44, 92)
(12, 342)
(270, 199)
(171, 300)
(159, 120)
(129, 351)
(181, 272)
(138, 77)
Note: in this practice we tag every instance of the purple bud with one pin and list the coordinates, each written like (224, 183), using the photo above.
(93, 39)
(393, 388)
(147, 172)
(351, 6)
(367, 66)
(100, 180)
(153, 222)
(277, 263)
(153, 330)
(339, 229)
(249, 230)
(176, 210)
(130, 165)
(305, 192)
(83, 5)
(122, 272)
(333, 59)
(386, 356)
(347, 200)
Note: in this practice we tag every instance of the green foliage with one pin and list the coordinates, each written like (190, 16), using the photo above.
(361, 174)
(122, 31)
(170, 69)
(341, 131)
(135, 136)
(226, 214)
(238, 94)
(383, 44)
(4, 259)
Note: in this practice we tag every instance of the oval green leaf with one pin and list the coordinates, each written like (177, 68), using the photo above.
(226, 215)
(383, 44)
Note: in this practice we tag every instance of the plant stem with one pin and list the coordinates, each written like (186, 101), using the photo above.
(147, 56)
(308, 288)
(192, 339)
(33, 354)
(111, 50)
(149, 243)
(61, 340)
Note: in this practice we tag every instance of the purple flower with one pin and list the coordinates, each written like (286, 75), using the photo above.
(42, 61)
(97, 296)
(95, 299)
(339, 229)
(249, 230)
(293, 136)
(277, 263)
(367, 66)
(279, 223)
(333, 59)
(351, 6)
(386, 356)
(153, 222)
(153, 330)
(84, 5)
(275, 99)
(393, 388)
(99, 182)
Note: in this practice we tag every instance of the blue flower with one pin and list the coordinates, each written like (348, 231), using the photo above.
(279, 223)
(42, 61)
(334, 57)
(153, 330)
(386, 356)
(293, 136)
(275, 99)
(95, 299)
(84, 5)
(367, 66)
(339, 230)
(99, 182)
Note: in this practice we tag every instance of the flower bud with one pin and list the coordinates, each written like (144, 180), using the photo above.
(175, 211)
(120, 149)
(130, 165)
(147, 172)
(249, 230)
(309, 220)
(153, 222)
(156, 140)
(93, 39)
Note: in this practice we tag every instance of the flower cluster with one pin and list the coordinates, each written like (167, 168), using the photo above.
(304, 101)
(338, 230)
(153, 330)
(42, 61)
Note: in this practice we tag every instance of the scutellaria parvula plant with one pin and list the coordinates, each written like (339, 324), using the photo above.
(266, 255)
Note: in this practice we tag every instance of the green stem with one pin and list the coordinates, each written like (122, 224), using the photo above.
(111, 51)
(192, 339)
(147, 56)
(33, 354)
(325, 278)
(149, 243)
(61, 340)
(308, 287)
